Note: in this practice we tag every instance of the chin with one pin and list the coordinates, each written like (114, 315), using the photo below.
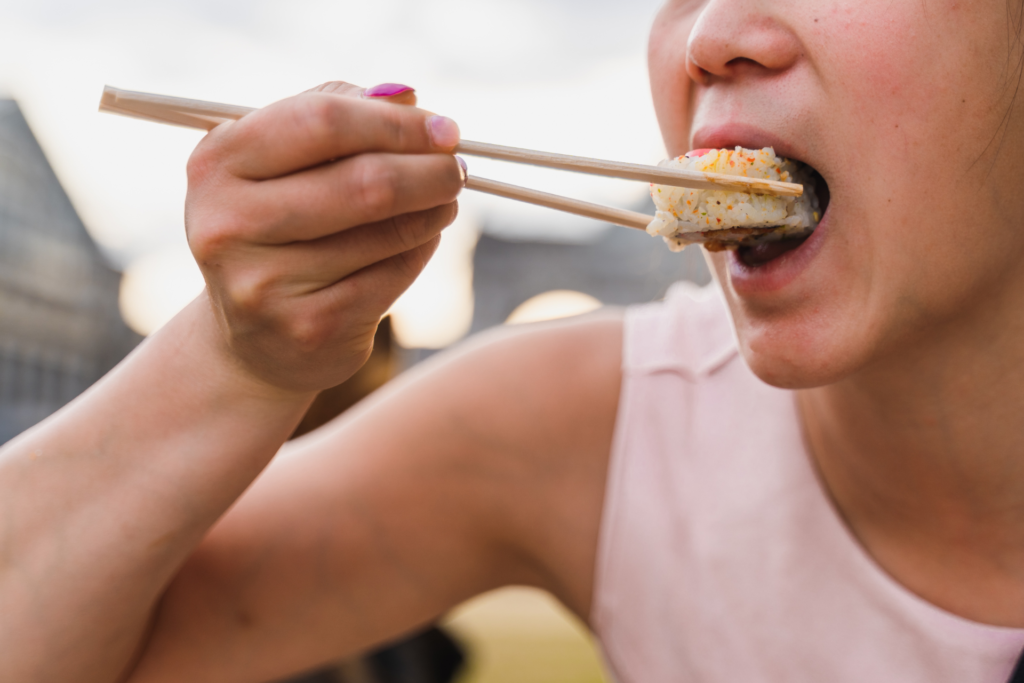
(800, 339)
(786, 356)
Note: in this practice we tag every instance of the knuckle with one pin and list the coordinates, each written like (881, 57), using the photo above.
(250, 295)
(454, 182)
(306, 331)
(405, 232)
(375, 186)
(412, 231)
(258, 305)
(362, 353)
(201, 164)
(206, 245)
(412, 262)
(347, 292)
(359, 296)
(395, 122)
(350, 292)
(211, 239)
(335, 87)
(449, 212)
(319, 115)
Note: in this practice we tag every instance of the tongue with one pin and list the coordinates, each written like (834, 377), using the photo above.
(760, 254)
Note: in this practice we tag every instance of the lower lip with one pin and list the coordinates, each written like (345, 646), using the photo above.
(779, 272)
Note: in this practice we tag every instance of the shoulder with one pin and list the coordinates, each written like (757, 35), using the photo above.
(503, 442)
(548, 395)
(541, 361)
(533, 408)
(512, 379)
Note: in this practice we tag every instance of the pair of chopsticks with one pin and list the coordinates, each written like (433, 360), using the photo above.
(208, 115)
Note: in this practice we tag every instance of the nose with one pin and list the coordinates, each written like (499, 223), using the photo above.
(736, 37)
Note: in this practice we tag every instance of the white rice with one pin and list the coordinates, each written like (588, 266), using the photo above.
(685, 216)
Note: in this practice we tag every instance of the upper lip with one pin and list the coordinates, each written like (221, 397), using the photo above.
(729, 135)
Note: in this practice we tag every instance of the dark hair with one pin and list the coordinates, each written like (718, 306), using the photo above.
(1013, 76)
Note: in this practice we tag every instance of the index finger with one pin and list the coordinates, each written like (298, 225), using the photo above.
(315, 127)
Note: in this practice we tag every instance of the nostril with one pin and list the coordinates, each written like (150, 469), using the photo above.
(696, 72)
(742, 64)
(698, 77)
(694, 67)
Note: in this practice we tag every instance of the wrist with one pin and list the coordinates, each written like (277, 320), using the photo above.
(200, 341)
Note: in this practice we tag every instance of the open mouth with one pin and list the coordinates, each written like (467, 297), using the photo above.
(763, 252)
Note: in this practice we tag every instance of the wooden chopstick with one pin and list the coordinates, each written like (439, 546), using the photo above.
(212, 114)
(618, 169)
(623, 217)
(179, 111)
(208, 115)
(203, 115)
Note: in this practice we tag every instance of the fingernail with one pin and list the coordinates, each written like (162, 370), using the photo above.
(463, 169)
(444, 132)
(387, 90)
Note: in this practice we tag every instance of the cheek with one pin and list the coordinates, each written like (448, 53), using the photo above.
(903, 98)
(914, 73)
(920, 90)
(670, 86)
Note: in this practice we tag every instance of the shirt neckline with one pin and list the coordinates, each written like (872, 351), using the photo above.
(955, 630)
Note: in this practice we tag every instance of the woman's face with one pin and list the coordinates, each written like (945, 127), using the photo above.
(905, 110)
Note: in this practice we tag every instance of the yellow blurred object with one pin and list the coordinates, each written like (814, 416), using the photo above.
(559, 303)
(437, 309)
(522, 634)
(157, 286)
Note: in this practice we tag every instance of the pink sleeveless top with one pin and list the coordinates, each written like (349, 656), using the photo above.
(721, 557)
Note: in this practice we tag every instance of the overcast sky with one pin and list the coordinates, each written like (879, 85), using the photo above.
(558, 75)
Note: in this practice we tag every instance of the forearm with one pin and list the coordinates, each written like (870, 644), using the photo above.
(100, 504)
(308, 219)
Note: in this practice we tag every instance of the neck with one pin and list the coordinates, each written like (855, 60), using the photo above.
(923, 453)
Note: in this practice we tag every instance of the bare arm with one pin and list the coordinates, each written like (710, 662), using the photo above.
(308, 219)
(485, 468)
(101, 503)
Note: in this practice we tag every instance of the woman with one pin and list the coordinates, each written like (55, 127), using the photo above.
(811, 475)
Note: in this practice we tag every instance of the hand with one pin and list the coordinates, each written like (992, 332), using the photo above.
(309, 218)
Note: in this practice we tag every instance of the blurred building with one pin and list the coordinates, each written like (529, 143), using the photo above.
(618, 267)
(60, 328)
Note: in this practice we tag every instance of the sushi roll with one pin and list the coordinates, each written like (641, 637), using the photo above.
(726, 219)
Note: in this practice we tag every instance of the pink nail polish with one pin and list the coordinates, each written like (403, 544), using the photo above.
(463, 169)
(444, 132)
(387, 90)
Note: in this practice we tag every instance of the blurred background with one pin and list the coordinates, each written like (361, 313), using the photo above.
(92, 248)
